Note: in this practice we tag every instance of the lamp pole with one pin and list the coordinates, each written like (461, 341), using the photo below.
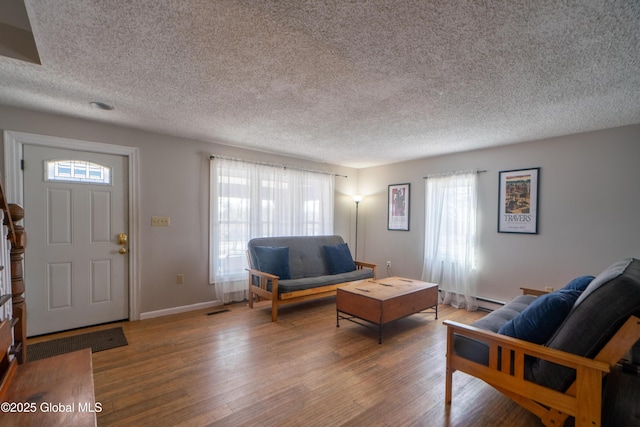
(357, 199)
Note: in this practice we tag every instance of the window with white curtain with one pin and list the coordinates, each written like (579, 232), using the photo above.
(250, 200)
(450, 237)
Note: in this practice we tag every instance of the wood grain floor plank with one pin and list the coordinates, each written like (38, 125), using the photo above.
(238, 368)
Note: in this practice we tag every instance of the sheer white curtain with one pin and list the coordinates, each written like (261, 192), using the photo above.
(450, 237)
(250, 200)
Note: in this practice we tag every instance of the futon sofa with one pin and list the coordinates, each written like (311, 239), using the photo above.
(549, 353)
(291, 269)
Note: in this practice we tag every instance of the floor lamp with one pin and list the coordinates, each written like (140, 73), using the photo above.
(357, 199)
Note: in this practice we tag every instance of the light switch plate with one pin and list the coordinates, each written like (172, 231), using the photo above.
(160, 221)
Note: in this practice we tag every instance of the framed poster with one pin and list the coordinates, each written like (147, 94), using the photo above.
(518, 201)
(398, 213)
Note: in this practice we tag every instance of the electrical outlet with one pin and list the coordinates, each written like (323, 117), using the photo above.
(388, 264)
(160, 221)
(548, 288)
(180, 279)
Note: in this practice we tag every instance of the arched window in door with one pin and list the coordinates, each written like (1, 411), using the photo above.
(77, 171)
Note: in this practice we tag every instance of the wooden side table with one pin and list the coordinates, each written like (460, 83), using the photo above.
(57, 391)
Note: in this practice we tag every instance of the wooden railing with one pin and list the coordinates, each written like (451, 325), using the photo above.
(13, 241)
(19, 305)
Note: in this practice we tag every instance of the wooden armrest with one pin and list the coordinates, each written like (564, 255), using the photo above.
(366, 264)
(360, 264)
(259, 273)
(531, 291)
(536, 350)
(262, 288)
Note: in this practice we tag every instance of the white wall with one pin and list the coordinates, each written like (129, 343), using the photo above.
(174, 182)
(589, 205)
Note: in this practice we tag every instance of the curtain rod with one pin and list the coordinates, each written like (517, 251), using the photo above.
(454, 173)
(276, 165)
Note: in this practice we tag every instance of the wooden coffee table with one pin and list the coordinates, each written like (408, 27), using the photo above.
(385, 300)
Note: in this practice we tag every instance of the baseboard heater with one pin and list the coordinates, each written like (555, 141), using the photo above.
(487, 304)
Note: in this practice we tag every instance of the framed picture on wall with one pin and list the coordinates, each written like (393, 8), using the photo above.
(518, 201)
(398, 212)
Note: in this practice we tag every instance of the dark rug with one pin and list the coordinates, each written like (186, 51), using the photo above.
(97, 341)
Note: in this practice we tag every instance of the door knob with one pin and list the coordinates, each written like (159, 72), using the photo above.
(122, 251)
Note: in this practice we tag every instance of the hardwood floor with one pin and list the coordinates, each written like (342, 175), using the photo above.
(237, 368)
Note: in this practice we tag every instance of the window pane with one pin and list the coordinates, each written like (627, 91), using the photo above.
(258, 201)
(77, 171)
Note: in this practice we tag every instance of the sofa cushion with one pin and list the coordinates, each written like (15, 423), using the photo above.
(339, 258)
(273, 260)
(478, 351)
(599, 312)
(306, 253)
(621, 399)
(579, 283)
(497, 318)
(318, 281)
(542, 317)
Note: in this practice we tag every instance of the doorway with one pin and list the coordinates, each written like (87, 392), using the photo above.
(75, 274)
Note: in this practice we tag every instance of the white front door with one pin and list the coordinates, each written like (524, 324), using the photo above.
(75, 273)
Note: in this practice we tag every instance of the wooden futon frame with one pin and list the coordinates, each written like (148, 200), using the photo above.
(583, 400)
(261, 289)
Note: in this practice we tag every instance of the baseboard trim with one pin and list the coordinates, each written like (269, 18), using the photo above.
(177, 310)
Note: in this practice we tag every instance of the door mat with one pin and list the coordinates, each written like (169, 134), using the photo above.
(97, 341)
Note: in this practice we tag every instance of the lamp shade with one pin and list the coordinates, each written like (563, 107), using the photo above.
(357, 198)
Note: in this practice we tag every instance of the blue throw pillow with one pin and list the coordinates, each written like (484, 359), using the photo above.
(538, 322)
(579, 283)
(273, 260)
(339, 258)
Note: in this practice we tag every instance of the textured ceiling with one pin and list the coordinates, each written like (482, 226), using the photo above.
(356, 83)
